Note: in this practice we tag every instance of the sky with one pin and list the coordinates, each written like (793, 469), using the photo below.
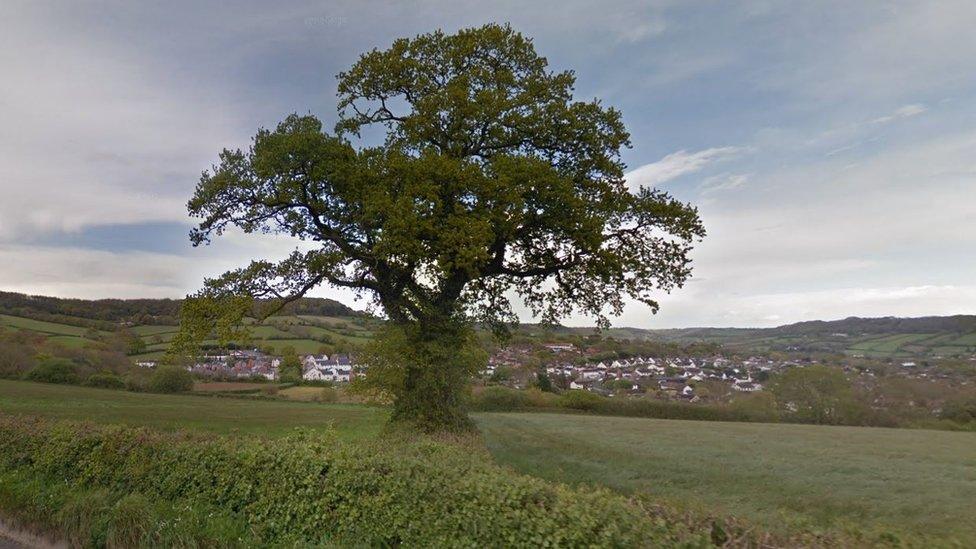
(829, 146)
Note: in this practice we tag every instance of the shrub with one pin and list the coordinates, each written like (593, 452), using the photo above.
(962, 410)
(581, 400)
(309, 489)
(54, 370)
(170, 379)
(503, 399)
(499, 399)
(538, 398)
(105, 380)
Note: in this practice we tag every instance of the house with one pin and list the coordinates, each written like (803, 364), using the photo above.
(559, 347)
(338, 368)
(590, 374)
(747, 387)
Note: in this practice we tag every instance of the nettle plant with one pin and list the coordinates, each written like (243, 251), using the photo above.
(492, 184)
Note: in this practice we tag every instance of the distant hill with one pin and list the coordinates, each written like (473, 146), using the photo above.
(307, 326)
(101, 312)
(948, 336)
(309, 323)
(887, 337)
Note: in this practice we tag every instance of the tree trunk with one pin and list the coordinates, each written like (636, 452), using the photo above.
(438, 364)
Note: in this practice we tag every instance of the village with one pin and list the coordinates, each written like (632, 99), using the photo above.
(679, 374)
(684, 376)
(674, 377)
(251, 364)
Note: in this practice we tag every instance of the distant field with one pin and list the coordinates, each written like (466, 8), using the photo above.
(41, 326)
(914, 482)
(780, 476)
(305, 334)
(222, 415)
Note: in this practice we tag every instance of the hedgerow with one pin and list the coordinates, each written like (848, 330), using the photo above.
(503, 399)
(105, 380)
(309, 488)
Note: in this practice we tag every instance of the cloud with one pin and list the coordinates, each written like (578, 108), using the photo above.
(676, 165)
(724, 182)
(905, 111)
(843, 210)
(97, 135)
(632, 32)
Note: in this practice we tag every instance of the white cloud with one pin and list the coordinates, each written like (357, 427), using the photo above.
(677, 164)
(905, 111)
(632, 32)
(724, 182)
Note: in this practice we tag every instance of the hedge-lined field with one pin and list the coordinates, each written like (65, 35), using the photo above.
(885, 484)
(125, 486)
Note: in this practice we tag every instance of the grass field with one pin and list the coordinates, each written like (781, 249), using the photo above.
(222, 415)
(776, 475)
(305, 334)
(782, 477)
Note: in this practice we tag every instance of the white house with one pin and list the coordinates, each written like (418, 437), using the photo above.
(589, 375)
(338, 368)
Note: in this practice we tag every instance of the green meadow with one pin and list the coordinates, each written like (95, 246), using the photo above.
(782, 477)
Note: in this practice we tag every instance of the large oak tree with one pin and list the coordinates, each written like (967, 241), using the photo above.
(492, 183)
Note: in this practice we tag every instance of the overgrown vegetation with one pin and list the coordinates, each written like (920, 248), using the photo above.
(108, 314)
(764, 407)
(54, 370)
(304, 489)
(170, 379)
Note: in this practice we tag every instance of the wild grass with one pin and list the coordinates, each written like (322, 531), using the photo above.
(914, 484)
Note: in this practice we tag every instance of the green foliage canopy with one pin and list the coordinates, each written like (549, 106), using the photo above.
(492, 181)
(170, 379)
(492, 177)
(816, 394)
(54, 370)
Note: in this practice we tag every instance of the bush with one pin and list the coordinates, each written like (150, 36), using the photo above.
(54, 370)
(962, 410)
(309, 489)
(581, 400)
(499, 399)
(105, 380)
(503, 399)
(170, 379)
